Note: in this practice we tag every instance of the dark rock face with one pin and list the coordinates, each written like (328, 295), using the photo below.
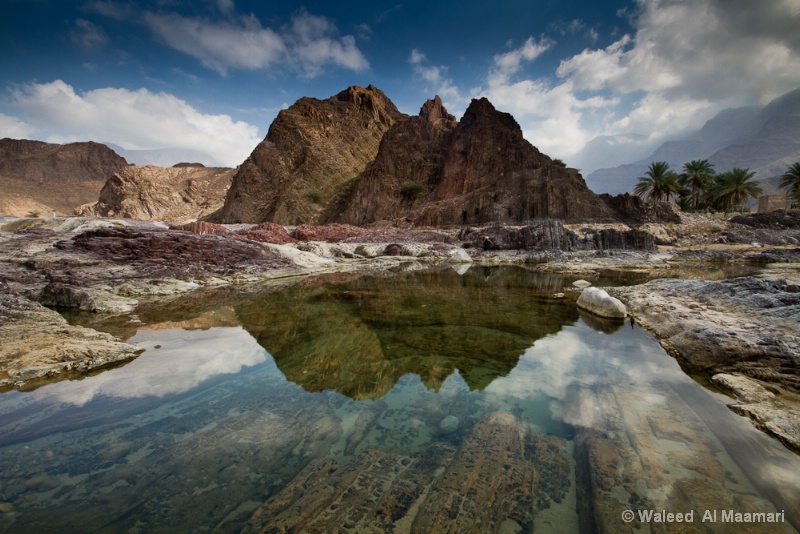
(780, 219)
(436, 172)
(405, 173)
(633, 210)
(311, 149)
(551, 235)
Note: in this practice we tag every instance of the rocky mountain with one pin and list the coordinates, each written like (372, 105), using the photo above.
(46, 177)
(762, 139)
(181, 193)
(311, 149)
(435, 171)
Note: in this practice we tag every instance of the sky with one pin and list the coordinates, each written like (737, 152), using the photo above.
(211, 75)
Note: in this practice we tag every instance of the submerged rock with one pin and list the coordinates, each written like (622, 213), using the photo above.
(491, 483)
(597, 301)
(448, 425)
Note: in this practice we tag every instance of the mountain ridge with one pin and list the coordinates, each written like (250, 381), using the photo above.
(764, 139)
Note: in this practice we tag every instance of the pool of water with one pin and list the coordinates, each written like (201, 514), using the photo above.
(437, 401)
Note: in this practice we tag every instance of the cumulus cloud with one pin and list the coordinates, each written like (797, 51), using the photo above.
(312, 42)
(510, 62)
(309, 43)
(136, 120)
(439, 83)
(684, 61)
(14, 128)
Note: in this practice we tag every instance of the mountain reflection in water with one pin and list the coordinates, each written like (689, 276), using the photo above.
(430, 402)
(428, 324)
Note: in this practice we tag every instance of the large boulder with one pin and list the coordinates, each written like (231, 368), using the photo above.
(598, 302)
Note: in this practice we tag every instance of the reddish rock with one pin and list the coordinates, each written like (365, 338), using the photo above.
(175, 254)
(268, 233)
(330, 233)
(202, 227)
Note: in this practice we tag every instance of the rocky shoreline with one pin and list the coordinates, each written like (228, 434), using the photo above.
(741, 336)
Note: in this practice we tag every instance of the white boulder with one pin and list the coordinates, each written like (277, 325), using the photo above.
(598, 302)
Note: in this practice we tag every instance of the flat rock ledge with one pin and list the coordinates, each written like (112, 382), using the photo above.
(743, 333)
(52, 348)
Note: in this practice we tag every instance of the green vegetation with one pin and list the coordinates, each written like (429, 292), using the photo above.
(658, 183)
(791, 182)
(697, 176)
(34, 213)
(731, 189)
(314, 195)
(411, 189)
(699, 187)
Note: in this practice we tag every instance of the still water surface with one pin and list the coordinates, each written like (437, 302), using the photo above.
(433, 401)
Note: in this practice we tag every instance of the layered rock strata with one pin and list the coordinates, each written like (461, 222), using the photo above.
(147, 192)
(494, 482)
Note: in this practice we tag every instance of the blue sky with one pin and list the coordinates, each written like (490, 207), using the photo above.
(212, 75)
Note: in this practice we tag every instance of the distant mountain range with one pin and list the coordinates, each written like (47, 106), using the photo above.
(164, 157)
(763, 139)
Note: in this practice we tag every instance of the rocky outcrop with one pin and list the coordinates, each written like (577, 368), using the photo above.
(45, 177)
(552, 235)
(744, 326)
(404, 174)
(180, 193)
(633, 210)
(431, 171)
(312, 148)
(52, 348)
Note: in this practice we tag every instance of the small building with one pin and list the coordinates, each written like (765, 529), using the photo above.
(769, 203)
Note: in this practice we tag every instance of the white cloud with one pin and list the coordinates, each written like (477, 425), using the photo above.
(686, 61)
(510, 62)
(136, 120)
(308, 44)
(14, 128)
(88, 35)
(222, 45)
(312, 44)
(440, 84)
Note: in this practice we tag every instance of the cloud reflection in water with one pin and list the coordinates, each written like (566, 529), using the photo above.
(185, 359)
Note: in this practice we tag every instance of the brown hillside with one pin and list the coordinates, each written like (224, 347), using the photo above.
(311, 149)
(435, 172)
(48, 177)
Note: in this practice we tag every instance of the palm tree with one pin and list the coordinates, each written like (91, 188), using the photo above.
(658, 183)
(731, 189)
(698, 175)
(791, 182)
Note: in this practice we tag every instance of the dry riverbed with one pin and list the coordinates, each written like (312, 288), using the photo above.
(741, 336)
